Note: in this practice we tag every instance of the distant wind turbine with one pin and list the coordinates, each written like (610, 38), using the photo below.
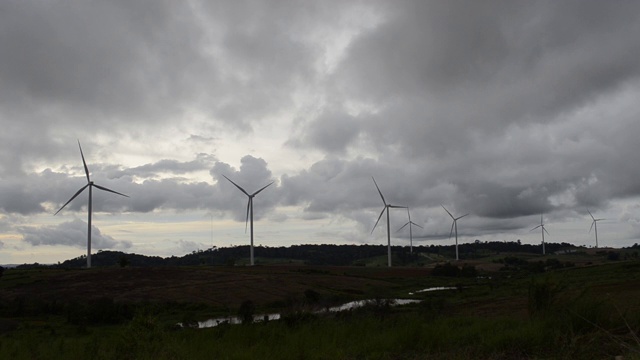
(386, 207)
(454, 224)
(594, 224)
(541, 226)
(249, 212)
(410, 223)
(90, 185)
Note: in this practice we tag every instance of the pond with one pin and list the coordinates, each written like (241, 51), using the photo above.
(235, 320)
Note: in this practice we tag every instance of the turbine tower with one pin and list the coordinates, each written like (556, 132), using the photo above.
(386, 207)
(249, 212)
(90, 185)
(410, 223)
(543, 231)
(594, 224)
(454, 224)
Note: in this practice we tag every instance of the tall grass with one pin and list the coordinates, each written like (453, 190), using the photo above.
(362, 335)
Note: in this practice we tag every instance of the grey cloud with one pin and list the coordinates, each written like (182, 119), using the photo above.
(72, 233)
(202, 162)
(185, 247)
(330, 132)
(525, 53)
(501, 109)
(102, 56)
(252, 175)
(170, 194)
(20, 198)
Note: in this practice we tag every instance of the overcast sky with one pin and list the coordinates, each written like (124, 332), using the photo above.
(502, 109)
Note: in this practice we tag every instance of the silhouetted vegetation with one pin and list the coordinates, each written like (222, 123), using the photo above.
(450, 270)
(340, 255)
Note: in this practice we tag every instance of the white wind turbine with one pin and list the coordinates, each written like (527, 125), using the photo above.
(410, 223)
(543, 231)
(594, 224)
(249, 212)
(90, 185)
(386, 207)
(454, 224)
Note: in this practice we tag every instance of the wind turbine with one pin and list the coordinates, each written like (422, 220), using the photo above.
(386, 207)
(249, 212)
(410, 232)
(90, 185)
(594, 224)
(454, 224)
(543, 231)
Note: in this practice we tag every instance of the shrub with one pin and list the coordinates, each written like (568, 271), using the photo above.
(542, 295)
(446, 270)
(246, 311)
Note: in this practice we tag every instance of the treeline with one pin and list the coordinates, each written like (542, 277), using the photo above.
(339, 255)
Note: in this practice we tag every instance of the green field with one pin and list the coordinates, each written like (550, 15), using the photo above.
(568, 307)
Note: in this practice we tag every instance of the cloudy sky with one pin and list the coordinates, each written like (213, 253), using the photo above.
(501, 109)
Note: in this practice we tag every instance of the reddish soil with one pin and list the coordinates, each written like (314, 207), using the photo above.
(218, 286)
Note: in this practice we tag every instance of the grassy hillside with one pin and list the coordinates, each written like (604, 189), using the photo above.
(579, 306)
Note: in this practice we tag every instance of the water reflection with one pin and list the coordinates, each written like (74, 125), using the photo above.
(235, 320)
(437, 288)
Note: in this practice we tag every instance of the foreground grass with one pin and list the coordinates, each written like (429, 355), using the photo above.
(590, 331)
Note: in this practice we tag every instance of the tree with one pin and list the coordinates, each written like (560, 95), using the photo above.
(123, 261)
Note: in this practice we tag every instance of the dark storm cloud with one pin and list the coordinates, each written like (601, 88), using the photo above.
(329, 132)
(72, 233)
(500, 100)
(94, 56)
(517, 58)
(81, 69)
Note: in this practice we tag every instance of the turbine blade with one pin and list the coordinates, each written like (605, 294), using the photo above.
(545, 230)
(109, 190)
(397, 207)
(238, 186)
(451, 232)
(535, 227)
(417, 225)
(445, 209)
(460, 217)
(246, 221)
(86, 169)
(590, 214)
(73, 197)
(256, 193)
(379, 192)
(403, 226)
(376, 224)
(591, 228)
